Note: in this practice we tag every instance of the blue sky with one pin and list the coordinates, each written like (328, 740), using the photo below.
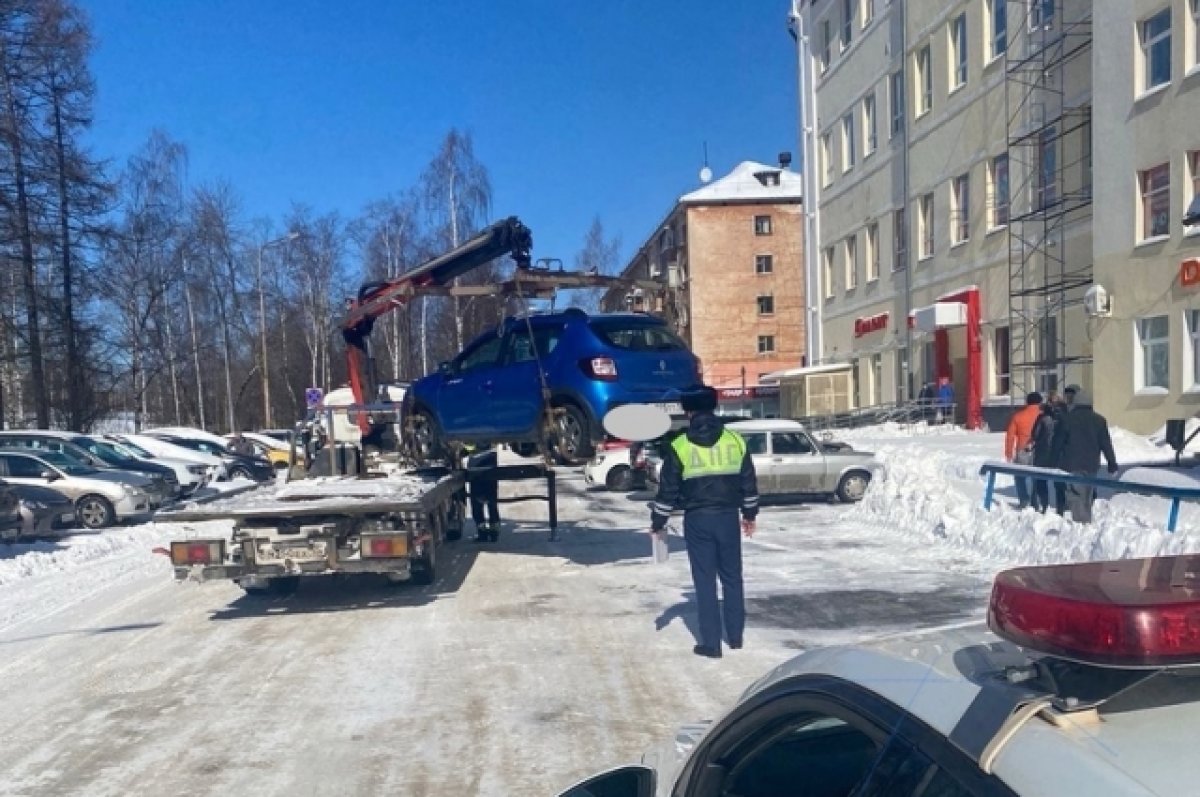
(577, 108)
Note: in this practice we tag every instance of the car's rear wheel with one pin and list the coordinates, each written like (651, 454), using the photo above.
(424, 437)
(574, 436)
(619, 479)
(853, 486)
(95, 512)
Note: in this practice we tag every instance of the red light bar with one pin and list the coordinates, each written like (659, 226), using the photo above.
(1128, 613)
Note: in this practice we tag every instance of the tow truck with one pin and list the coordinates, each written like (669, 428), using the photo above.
(1085, 680)
(385, 510)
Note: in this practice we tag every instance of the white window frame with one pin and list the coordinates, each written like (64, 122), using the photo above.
(826, 160)
(1002, 355)
(765, 229)
(769, 348)
(899, 239)
(925, 228)
(849, 145)
(1038, 18)
(923, 85)
(1148, 44)
(825, 55)
(868, 12)
(956, 33)
(872, 253)
(1194, 9)
(997, 34)
(758, 304)
(1148, 196)
(1142, 356)
(767, 259)
(851, 262)
(827, 271)
(993, 197)
(1191, 162)
(846, 38)
(960, 209)
(1191, 350)
(896, 103)
(876, 378)
(1045, 182)
(870, 137)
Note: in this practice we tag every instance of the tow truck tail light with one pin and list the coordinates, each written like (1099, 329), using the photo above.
(1129, 613)
(197, 552)
(603, 369)
(385, 546)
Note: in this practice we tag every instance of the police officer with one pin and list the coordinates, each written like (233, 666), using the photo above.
(709, 472)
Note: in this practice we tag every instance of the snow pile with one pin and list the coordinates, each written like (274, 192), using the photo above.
(932, 490)
(40, 558)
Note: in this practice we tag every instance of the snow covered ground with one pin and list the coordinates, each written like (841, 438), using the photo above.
(527, 665)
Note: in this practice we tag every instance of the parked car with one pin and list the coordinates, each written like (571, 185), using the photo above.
(190, 475)
(492, 391)
(789, 461)
(44, 511)
(118, 460)
(274, 452)
(238, 466)
(101, 497)
(218, 470)
(619, 466)
(154, 485)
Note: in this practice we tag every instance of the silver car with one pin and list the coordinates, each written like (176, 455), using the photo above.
(789, 461)
(101, 497)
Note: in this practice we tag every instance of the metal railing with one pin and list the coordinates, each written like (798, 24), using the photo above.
(911, 414)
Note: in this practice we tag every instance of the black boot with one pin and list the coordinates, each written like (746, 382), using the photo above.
(712, 653)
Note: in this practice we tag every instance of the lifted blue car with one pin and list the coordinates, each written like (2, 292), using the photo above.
(492, 392)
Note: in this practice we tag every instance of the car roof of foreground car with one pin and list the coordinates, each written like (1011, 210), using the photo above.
(575, 312)
(765, 425)
(1093, 715)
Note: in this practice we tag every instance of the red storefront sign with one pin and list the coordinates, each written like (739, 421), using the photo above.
(865, 326)
(1189, 272)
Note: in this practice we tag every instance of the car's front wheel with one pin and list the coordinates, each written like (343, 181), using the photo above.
(95, 512)
(241, 472)
(853, 486)
(424, 437)
(574, 432)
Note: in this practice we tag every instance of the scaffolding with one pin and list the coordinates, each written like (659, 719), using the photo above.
(1049, 189)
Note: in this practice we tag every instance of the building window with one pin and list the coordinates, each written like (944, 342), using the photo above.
(924, 86)
(998, 191)
(1001, 357)
(1195, 5)
(900, 240)
(872, 252)
(847, 23)
(1156, 201)
(876, 378)
(826, 45)
(764, 264)
(1047, 353)
(869, 140)
(868, 12)
(851, 263)
(766, 344)
(960, 208)
(925, 225)
(1154, 348)
(896, 101)
(826, 160)
(1041, 14)
(766, 305)
(848, 146)
(827, 271)
(1046, 184)
(1193, 164)
(762, 225)
(1156, 49)
(958, 51)
(997, 19)
(1192, 363)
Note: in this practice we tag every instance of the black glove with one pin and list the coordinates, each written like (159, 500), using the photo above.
(1112, 467)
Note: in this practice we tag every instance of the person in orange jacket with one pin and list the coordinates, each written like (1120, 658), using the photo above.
(1018, 442)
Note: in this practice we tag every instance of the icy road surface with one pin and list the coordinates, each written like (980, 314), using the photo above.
(528, 665)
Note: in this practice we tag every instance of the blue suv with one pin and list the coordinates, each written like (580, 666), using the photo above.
(492, 391)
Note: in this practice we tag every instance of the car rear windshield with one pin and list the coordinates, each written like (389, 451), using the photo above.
(636, 335)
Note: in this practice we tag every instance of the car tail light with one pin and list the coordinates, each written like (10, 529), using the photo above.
(603, 369)
(385, 546)
(1131, 613)
(197, 552)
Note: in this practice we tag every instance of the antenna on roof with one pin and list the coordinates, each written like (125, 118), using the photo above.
(705, 172)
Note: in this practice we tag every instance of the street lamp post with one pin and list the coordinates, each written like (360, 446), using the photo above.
(262, 325)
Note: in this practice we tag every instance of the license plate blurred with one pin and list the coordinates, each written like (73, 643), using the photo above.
(671, 409)
(297, 553)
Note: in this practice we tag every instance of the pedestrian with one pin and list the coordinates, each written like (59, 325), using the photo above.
(484, 492)
(708, 471)
(945, 400)
(240, 445)
(1043, 437)
(1081, 437)
(1018, 442)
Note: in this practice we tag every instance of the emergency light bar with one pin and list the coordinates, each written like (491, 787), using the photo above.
(1128, 613)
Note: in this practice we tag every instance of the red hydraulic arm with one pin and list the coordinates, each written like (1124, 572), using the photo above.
(507, 237)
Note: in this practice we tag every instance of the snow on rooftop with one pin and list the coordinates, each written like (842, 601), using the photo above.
(750, 181)
(827, 368)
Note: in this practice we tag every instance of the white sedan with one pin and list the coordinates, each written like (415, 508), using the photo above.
(1083, 682)
(618, 466)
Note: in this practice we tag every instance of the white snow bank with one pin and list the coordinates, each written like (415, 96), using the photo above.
(932, 490)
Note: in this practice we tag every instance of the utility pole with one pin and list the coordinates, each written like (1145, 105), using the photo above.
(262, 326)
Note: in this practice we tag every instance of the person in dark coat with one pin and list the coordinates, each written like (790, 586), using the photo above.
(1043, 456)
(1079, 441)
(708, 471)
(484, 493)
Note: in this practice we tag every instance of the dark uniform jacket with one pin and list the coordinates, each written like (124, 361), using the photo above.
(1043, 437)
(1080, 437)
(709, 467)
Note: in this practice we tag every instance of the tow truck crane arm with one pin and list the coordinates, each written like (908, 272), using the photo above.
(506, 237)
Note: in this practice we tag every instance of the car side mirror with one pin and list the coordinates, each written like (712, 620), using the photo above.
(631, 781)
(49, 475)
(445, 368)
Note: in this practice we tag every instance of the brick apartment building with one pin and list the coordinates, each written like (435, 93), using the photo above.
(730, 260)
